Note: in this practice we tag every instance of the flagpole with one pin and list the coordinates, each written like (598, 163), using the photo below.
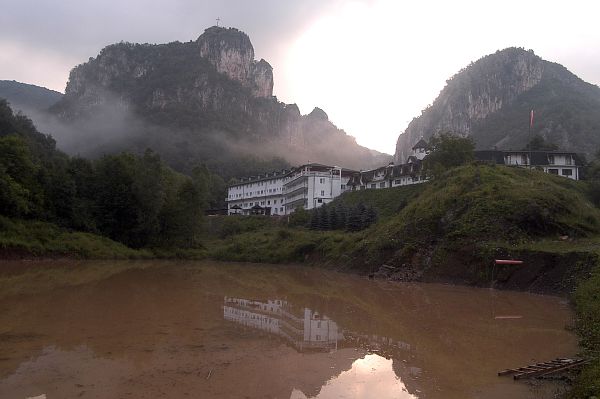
(529, 138)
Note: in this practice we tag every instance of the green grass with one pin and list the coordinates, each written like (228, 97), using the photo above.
(45, 239)
(387, 202)
(587, 306)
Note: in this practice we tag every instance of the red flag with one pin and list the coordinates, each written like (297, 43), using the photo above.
(531, 120)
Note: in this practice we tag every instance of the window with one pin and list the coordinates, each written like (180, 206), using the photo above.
(343, 187)
(269, 202)
(568, 160)
(382, 184)
(320, 201)
(551, 159)
(318, 324)
(322, 193)
(553, 171)
(398, 181)
(318, 337)
(567, 172)
(524, 159)
(322, 180)
(281, 209)
(373, 185)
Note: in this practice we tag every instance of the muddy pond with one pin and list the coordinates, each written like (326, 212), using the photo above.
(217, 330)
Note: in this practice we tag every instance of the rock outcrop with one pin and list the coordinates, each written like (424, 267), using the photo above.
(490, 100)
(231, 53)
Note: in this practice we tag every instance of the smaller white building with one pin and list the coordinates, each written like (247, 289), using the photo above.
(392, 175)
(566, 164)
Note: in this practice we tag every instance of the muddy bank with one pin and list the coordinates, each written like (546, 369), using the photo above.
(541, 272)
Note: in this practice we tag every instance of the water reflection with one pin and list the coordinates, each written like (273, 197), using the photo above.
(371, 376)
(304, 330)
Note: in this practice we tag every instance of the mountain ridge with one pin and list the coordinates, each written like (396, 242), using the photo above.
(490, 101)
(27, 97)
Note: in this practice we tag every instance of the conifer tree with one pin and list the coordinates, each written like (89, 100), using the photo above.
(314, 220)
(354, 222)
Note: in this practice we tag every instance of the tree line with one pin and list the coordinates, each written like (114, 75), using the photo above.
(339, 216)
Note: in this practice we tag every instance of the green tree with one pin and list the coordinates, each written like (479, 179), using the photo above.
(314, 223)
(354, 221)
(17, 177)
(537, 143)
(446, 151)
(300, 217)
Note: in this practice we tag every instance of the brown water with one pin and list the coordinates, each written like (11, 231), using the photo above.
(215, 330)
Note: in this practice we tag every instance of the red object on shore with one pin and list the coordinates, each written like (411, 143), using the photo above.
(508, 262)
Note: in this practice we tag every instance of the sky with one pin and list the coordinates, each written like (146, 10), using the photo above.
(372, 65)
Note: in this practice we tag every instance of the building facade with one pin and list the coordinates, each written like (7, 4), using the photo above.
(566, 164)
(310, 186)
(261, 194)
(280, 193)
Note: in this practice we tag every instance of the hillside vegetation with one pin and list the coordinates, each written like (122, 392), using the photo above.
(473, 206)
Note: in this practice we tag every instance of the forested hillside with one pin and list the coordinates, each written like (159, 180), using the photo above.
(136, 200)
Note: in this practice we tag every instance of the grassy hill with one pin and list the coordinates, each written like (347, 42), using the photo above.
(449, 228)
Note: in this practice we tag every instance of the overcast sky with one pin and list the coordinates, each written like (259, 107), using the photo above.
(372, 65)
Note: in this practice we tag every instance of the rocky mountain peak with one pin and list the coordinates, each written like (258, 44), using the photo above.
(231, 52)
(318, 113)
(474, 93)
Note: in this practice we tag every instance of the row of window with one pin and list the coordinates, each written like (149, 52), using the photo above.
(268, 202)
(397, 182)
(258, 192)
(525, 159)
(565, 172)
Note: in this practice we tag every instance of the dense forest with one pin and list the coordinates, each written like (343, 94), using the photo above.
(134, 199)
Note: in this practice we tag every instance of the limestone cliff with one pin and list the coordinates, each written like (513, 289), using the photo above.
(215, 99)
(231, 53)
(490, 101)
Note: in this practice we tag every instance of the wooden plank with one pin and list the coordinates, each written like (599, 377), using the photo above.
(546, 367)
(540, 373)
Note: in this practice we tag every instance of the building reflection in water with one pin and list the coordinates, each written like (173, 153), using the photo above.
(374, 375)
(306, 330)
